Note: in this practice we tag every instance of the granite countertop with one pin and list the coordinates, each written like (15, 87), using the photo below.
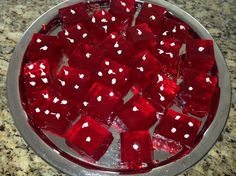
(16, 157)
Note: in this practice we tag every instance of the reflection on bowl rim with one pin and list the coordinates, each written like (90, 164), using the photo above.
(48, 154)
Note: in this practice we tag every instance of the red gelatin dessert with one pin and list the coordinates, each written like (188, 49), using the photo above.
(89, 137)
(137, 114)
(136, 149)
(101, 102)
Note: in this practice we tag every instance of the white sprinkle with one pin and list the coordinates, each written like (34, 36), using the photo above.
(93, 20)
(55, 100)
(162, 87)
(200, 49)
(84, 35)
(123, 3)
(81, 76)
(42, 66)
(76, 86)
(85, 125)
(120, 70)
(161, 43)
(170, 54)
(149, 5)
(190, 88)
(37, 110)
(66, 33)
(32, 75)
(45, 80)
(126, 79)
(182, 27)
(105, 28)
(165, 33)
(31, 66)
(113, 36)
(116, 45)
(139, 32)
(66, 72)
(58, 116)
(107, 63)
(88, 55)
(208, 80)
(72, 11)
(144, 57)
(64, 102)
(45, 96)
(63, 83)
(47, 112)
(190, 124)
(103, 13)
(161, 97)
(38, 40)
(88, 139)
(160, 51)
(71, 40)
(42, 73)
(85, 103)
(99, 98)
(113, 81)
(177, 117)
(174, 30)
(127, 10)
(44, 48)
(135, 108)
(111, 94)
(78, 27)
(104, 20)
(160, 78)
(100, 74)
(173, 130)
(152, 17)
(186, 136)
(113, 18)
(119, 52)
(172, 44)
(140, 69)
(110, 71)
(135, 147)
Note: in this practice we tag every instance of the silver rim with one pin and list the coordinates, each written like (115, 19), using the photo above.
(61, 163)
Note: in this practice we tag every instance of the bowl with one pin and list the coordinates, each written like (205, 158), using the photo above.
(50, 147)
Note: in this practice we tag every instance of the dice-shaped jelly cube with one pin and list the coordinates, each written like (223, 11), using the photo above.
(123, 9)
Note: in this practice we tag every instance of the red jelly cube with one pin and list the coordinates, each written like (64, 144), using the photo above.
(175, 28)
(124, 9)
(52, 112)
(73, 14)
(200, 55)
(86, 57)
(118, 48)
(71, 37)
(136, 149)
(114, 75)
(153, 15)
(172, 45)
(179, 127)
(103, 23)
(37, 76)
(142, 36)
(162, 90)
(43, 46)
(101, 102)
(89, 137)
(73, 83)
(197, 91)
(137, 114)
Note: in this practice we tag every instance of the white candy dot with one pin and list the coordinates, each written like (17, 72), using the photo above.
(190, 124)
(105, 28)
(44, 48)
(37, 110)
(63, 83)
(72, 11)
(116, 45)
(38, 40)
(123, 3)
(127, 10)
(149, 5)
(120, 70)
(31, 66)
(174, 30)
(55, 100)
(161, 97)
(93, 20)
(186, 136)
(160, 51)
(64, 102)
(66, 33)
(88, 55)
(110, 71)
(161, 43)
(162, 87)
(160, 78)
(42, 73)
(104, 20)
(140, 69)
(182, 27)
(78, 27)
(200, 49)
(177, 117)
(144, 57)
(113, 18)
(172, 44)
(113, 36)
(99, 98)
(103, 13)
(45, 96)
(71, 40)
(152, 17)
(135, 108)
(47, 112)
(190, 88)
(58, 115)
(76, 86)
(111, 94)
(139, 32)
(85, 125)
(208, 80)
(165, 33)
(66, 72)
(85, 103)
(88, 139)
(31, 75)
(84, 35)
(81, 76)
(170, 54)
(135, 147)
(45, 80)
(119, 52)
(173, 130)
(113, 81)
(100, 74)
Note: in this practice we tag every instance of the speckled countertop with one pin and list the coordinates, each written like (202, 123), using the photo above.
(16, 157)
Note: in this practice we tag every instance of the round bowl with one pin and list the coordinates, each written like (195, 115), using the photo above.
(57, 159)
